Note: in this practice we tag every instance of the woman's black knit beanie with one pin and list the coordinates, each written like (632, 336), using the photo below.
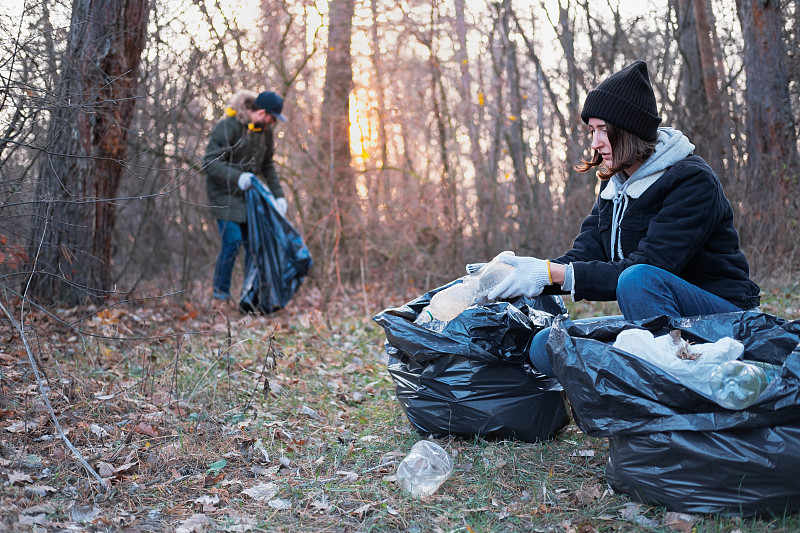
(626, 100)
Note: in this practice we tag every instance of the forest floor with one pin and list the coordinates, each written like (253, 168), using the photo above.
(200, 420)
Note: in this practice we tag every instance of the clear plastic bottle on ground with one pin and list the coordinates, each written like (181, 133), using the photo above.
(447, 304)
(424, 469)
(737, 384)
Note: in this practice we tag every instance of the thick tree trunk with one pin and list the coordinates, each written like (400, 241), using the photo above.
(704, 111)
(86, 148)
(340, 201)
(772, 157)
(769, 122)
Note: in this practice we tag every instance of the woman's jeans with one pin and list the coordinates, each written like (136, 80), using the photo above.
(645, 291)
(233, 236)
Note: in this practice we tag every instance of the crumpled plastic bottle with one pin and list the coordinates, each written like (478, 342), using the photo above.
(737, 384)
(424, 469)
(448, 303)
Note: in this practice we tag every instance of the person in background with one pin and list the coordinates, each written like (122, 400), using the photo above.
(660, 238)
(240, 148)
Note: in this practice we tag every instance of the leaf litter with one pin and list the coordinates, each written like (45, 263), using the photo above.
(287, 422)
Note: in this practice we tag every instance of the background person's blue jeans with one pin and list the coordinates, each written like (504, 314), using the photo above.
(645, 291)
(234, 235)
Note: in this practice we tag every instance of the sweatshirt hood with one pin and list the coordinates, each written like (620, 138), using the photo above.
(236, 104)
(672, 146)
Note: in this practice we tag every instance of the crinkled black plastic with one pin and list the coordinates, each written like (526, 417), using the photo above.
(281, 260)
(474, 378)
(675, 447)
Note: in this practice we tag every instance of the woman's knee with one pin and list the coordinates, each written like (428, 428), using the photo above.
(538, 352)
(637, 276)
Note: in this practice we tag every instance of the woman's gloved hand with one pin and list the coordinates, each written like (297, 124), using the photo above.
(281, 204)
(246, 180)
(529, 278)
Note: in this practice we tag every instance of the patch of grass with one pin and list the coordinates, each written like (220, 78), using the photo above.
(300, 401)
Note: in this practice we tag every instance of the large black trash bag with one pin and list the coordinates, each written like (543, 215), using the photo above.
(474, 378)
(672, 446)
(280, 259)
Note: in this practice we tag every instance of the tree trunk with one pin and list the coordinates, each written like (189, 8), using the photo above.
(86, 148)
(772, 158)
(524, 188)
(485, 184)
(770, 130)
(339, 202)
(704, 111)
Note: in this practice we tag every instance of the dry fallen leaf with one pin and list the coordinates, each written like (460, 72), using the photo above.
(280, 504)
(207, 503)
(196, 523)
(84, 513)
(17, 476)
(262, 492)
(679, 521)
(39, 490)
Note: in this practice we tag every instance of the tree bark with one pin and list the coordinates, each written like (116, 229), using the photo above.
(334, 135)
(704, 111)
(86, 149)
(770, 129)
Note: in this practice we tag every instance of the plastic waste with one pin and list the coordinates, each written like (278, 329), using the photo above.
(737, 384)
(424, 469)
(709, 368)
(473, 290)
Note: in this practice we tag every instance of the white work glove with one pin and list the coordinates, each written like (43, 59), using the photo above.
(246, 180)
(529, 278)
(281, 204)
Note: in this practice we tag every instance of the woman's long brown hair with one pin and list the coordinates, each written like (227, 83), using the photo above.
(626, 149)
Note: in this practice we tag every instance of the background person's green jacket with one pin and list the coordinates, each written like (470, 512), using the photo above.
(233, 149)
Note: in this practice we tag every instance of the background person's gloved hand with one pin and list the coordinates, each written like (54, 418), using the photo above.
(246, 180)
(529, 278)
(281, 204)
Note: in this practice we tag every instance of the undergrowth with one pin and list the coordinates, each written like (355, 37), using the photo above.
(200, 421)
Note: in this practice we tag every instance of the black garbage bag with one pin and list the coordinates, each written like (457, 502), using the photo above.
(280, 258)
(672, 446)
(474, 378)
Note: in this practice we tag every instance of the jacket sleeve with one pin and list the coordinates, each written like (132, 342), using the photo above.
(690, 210)
(216, 161)
(269, 171)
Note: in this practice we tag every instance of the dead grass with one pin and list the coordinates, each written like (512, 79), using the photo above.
(283, 423)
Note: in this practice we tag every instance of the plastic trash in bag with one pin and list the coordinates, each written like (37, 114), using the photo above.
(280, 258)
(473, 377)
(674, 446)
(709, 368)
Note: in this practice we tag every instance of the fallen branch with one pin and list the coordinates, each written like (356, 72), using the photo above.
(61, 434)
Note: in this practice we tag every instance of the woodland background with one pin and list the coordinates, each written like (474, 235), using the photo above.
(422, 135)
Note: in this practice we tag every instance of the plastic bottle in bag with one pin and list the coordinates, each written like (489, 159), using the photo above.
(737, 384)
(424, 469)
(447, 304)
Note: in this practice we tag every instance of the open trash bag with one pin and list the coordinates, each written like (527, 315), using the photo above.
(474, 377)
(280, 259)
(674, 446)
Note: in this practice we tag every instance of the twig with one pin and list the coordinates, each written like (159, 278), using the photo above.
(264, 370)
(85, 464)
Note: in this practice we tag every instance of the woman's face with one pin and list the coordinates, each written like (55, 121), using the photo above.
(600, 142)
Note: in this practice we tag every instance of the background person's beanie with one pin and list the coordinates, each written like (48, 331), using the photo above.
(626, 100)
